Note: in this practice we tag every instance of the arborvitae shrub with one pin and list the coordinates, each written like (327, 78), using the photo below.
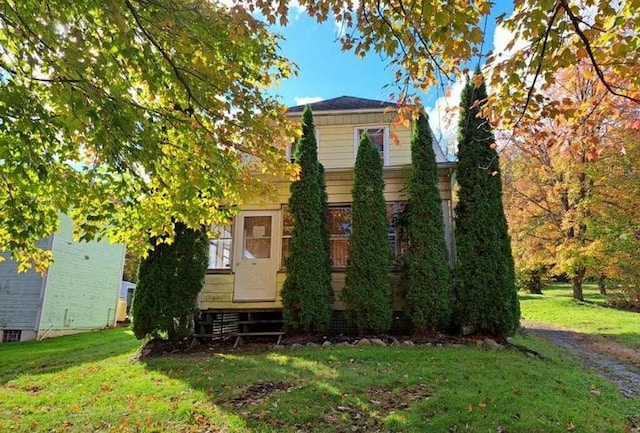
(429, 291)
(367, 291)
(307, 293)
(169, 281)
(485, 290)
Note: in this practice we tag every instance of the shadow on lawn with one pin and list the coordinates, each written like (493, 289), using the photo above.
(56, 354)
(530, 297)
(377, 389)
(299, 390)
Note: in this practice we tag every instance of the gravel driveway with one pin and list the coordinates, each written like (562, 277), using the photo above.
(615, 362)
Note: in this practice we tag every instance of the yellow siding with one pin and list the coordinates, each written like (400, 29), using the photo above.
(400, 154)
(217, 293)
(336, 146)
(336, 133)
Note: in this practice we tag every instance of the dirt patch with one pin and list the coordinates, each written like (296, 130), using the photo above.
(382, 402)
(397, 399)
(258, 392)
(615, 362)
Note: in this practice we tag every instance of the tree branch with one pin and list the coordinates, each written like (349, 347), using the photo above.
(575, 21)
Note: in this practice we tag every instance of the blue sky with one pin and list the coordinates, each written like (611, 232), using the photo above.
(326, 72)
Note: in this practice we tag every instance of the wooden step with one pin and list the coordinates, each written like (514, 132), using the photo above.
(239, 335)
(258, 321)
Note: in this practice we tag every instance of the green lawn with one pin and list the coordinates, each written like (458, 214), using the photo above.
(557, 307)
(92, 382)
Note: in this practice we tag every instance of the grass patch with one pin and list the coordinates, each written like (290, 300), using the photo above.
(92, 382)
(557, 307)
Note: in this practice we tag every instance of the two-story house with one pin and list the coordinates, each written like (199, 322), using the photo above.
(246, 270)
(79, 292)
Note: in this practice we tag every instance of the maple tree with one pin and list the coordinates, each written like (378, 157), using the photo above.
(429, 42)
(615, 220)
(563, 208)
(131, 115)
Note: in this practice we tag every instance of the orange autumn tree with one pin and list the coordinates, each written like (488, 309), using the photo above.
(555, 178)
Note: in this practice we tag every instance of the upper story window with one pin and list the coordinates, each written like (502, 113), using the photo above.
(379, 136)
(291, 149)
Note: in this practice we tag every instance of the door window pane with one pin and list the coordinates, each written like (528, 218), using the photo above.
(257, 237)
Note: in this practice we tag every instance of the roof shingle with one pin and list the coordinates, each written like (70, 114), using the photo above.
(344, 103)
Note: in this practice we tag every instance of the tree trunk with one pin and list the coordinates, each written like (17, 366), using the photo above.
(602, 284)
(576, 285)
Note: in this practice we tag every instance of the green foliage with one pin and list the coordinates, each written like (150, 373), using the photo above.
(128, 114)
(131, 265)
(307, 293)
(326, 236)
(429, 291)
(367, 291)
(532, 279)
(169, 280)
(486, 296)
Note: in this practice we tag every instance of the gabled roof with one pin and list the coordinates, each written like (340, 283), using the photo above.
(345, 103)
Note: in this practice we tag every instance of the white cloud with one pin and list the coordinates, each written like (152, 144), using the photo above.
(296, 10)
(304, 100)
(502, 37)
(443, 117)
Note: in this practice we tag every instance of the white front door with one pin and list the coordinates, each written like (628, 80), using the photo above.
(256, 256)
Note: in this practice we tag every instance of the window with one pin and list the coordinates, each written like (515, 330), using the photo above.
(291, 149)
(287, 230)
(339, 222)
(11, 335)
(397, 231)
(220, 248)
(379, 137)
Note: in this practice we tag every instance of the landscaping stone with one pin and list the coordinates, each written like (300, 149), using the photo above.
(312, 344)
(378, 342)
(296, 346)
(278, 347)
(326, 344)
(492, 344)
